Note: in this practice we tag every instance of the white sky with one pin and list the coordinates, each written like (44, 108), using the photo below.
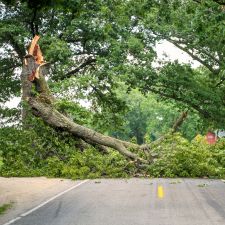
(165, 51)
(165, 48)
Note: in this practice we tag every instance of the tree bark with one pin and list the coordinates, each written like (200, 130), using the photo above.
(28, 66)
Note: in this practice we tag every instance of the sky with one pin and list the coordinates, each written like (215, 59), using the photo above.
(165, 51)
(173, 53)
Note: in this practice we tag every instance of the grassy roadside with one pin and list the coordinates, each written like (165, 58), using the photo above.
(5, 207)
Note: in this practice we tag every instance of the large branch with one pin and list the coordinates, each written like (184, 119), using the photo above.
(54, 118)
(209, 67)
(89, 61)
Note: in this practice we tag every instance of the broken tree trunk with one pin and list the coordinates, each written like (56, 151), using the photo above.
(42, 105)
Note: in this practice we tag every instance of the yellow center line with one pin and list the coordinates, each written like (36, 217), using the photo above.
(160, 191)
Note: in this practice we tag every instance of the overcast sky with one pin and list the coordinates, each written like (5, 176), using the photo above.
(173, 53)
(165, 51)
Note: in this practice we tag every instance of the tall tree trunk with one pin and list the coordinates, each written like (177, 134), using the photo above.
(26, 87)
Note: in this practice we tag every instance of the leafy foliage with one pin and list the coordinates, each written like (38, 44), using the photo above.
(45, 152)
(42, 151)
(197, 28)
(180, 158)
(93, 45)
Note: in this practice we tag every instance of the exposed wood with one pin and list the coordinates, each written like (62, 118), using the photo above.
(33, 44)
(35, 51)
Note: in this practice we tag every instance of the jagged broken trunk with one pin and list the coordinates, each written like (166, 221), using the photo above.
(42, 104)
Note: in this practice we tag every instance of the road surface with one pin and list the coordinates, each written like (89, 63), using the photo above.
(133, 202)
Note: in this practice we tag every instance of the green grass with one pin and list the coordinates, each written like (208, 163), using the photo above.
(5, 207)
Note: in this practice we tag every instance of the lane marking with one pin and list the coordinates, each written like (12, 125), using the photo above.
(44, 203)
(12, 221)
(160, 191)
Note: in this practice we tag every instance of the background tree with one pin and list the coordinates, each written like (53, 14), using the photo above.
(148, 118)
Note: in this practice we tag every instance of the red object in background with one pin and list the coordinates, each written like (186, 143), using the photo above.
(211, 138)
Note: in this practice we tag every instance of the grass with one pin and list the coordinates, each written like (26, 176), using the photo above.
(5, 207)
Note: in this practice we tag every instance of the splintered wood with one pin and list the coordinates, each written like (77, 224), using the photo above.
(35, 51)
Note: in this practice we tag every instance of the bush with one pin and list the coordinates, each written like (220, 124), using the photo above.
(181, 158)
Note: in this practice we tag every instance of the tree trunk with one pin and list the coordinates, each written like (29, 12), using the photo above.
(26, 88)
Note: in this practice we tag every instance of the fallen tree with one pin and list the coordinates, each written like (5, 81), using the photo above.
(42, 104)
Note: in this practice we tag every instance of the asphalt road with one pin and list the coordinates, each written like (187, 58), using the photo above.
(134, 202)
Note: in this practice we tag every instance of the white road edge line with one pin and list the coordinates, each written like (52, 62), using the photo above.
(44, 203)
(12, 221)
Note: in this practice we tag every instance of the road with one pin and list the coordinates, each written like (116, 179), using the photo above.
(133, 202)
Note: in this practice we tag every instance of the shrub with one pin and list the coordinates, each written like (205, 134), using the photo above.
(181, 158)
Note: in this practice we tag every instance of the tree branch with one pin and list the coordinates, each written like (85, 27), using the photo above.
(189, 103)
(42, 106)
(210, 68)
(54, 118)
(220, 82)
(179, 121)
(88, 62)
(201, 50)
(216, 1)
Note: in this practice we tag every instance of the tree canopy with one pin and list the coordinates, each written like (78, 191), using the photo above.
(92, 45)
